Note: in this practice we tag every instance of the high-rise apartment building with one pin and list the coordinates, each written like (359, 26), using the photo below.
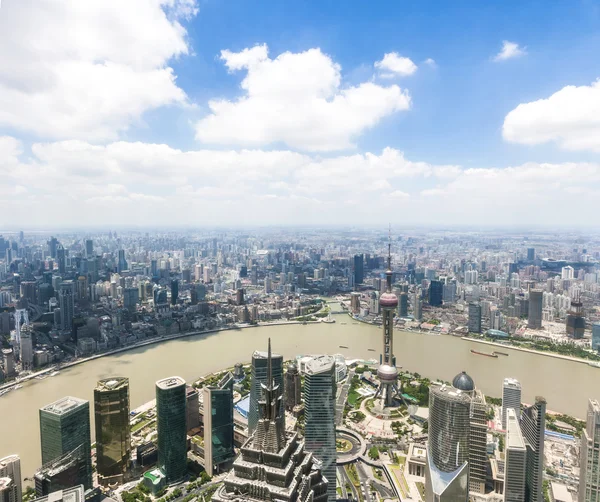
(64, 427)
(533, 426)
(10, 479)
(534, 320)
(259, 378)
(218, 427)
(474, 324)
(171, 427)
(66, 298)
(589, 475)
(113, 433)
(319, 415)
(293, 387)
(511, 398)
(515, 461)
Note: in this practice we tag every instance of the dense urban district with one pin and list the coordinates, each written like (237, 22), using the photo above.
(321, 426)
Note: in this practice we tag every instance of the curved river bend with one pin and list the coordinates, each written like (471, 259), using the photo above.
(565, 384)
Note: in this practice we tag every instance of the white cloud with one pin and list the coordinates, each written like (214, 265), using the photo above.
(430, 62)
(296, 99)
(90, 184)
(88, 69)
(510, 50)
(394, 65)
(569, 117)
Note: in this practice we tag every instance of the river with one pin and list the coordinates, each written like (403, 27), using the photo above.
(565, 384)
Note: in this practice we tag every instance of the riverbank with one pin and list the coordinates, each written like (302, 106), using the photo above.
(531, 351)
(144, 343)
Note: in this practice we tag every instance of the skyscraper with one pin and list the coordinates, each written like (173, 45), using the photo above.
(359, 272)
(171, 427)
(192, 411)
(515, 461)
(436, 292)
(66, 298)
(174, 291)
(387, 372)
(403, 305)
(64, 427)
(121, 263)
(131, 297)
(266, 468)
(447, 469)
(89, 248)
(319, 415)
(10, 472)
(530, 254)
(534, 320)
(533, 426)
(474, 325)
(575, 324)
(259, 377)
(218, 427)
(26, 348)
(589, 476)
(293, 387)
(511, 398)
(478, 458)
(113, 434)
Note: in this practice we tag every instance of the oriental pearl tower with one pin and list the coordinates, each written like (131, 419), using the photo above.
(387, 372)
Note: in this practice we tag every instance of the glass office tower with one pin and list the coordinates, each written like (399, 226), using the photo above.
(65, 426)
(113, 435)
(319, 413)
(171, 427)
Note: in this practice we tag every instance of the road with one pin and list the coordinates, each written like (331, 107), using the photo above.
(346, 479)
(364, 481)
(341, 399)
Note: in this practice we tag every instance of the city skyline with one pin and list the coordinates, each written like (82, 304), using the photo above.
(454, 110)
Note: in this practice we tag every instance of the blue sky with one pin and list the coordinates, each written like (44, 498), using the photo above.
(107, 97)
(459, 107)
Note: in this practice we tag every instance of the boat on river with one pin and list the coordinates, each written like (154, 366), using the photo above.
(594, 364)
(4, 391)
(343, 347)
(500, 353)
(54, 373)
(483, 353)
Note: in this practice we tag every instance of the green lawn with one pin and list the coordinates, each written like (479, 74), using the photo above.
(140, 425)
(353, 396)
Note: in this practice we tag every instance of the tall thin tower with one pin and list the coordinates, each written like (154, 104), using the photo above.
(387, 372)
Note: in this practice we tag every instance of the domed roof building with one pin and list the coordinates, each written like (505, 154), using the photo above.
(463, 382)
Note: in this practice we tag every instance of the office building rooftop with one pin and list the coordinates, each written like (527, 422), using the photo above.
(170, 383)
(112, 383)
(64, 405)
